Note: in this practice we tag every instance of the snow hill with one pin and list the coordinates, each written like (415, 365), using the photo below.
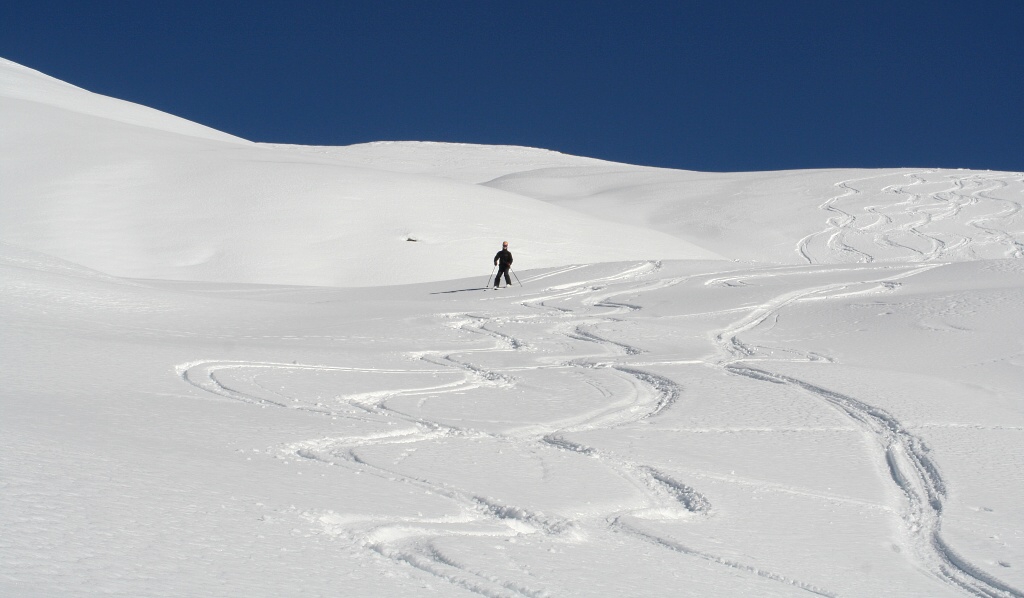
(134, 192)
(230, 368)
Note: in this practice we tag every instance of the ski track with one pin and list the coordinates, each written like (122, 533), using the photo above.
(917, 477)
(413, 543)
(574, 310)
(906, 456)
(638, 532)
(947, 224)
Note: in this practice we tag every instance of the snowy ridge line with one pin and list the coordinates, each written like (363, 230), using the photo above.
(918, 479)
(663, 542)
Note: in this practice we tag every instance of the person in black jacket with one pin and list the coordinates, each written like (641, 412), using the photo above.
(504, 258)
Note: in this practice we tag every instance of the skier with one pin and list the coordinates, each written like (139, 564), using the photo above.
(505, 258)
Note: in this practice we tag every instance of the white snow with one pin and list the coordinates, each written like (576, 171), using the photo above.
(226, 372)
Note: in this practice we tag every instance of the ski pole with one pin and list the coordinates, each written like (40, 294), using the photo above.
(488, 283)
(516, 275)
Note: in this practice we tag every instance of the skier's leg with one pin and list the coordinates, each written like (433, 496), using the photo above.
(508, 281)
(502, 271)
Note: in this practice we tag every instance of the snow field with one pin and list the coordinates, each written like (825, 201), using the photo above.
(492, 435)
(707, 384)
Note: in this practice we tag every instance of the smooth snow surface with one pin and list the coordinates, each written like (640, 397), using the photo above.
(749, 384)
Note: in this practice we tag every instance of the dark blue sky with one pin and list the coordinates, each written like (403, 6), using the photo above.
(713, 85)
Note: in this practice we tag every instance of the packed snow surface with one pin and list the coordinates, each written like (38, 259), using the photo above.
(240, 369)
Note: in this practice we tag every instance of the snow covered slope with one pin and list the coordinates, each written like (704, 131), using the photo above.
(838, 414)
(812, 216)
(21, 87)
(133, 192)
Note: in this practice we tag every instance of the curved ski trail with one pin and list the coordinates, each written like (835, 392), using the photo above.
(907, 223)
(906, 455)
(569, 316)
